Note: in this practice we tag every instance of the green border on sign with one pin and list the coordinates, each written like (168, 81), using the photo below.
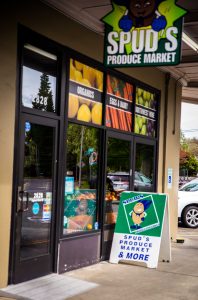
(149, 221)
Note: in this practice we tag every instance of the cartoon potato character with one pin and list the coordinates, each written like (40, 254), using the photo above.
(138, 213)
(141, 13)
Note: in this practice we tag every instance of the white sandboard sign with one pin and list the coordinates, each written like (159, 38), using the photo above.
(142, 223)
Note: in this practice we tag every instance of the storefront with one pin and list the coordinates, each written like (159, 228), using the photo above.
(79, 134)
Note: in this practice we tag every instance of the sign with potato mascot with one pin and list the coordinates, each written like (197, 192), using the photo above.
(142, 227)
(143, 33)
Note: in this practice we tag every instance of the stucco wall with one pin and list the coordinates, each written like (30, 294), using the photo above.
(7, 121)
(57, 27)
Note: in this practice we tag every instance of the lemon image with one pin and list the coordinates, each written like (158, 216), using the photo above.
(89, 74)
(72, 70)
(84, 101)
(84, 113)
(73, 106)
(85, 81)
(96, 114)
(99, 80)
(100, 87)
(78, 76)
(78, 65)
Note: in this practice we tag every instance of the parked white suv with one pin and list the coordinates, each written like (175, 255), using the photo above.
(188, 204)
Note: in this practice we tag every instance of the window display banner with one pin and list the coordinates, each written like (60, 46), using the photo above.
(85, 93)
(80, 210)
(119, 97)
(140, 227)
(143, 33)
(145, 112)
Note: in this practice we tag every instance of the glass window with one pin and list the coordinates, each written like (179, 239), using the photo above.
(85, 93)
(38, 177)
(117, 181)
(119, 97)
(145, 112)
(191, 187)
(143, 179)
(81, 179)
(39, 79)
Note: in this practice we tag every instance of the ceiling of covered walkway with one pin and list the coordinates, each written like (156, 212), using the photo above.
(89, 13)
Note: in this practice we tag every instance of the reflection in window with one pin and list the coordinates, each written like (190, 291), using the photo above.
(38, 176)
(143, 179)
(81, 179)
(191, 187)
(117, 181)
(39, 79)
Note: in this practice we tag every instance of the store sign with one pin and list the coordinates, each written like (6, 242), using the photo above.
(139, 228)
(119, 97)
(143, 33)
(85, 93)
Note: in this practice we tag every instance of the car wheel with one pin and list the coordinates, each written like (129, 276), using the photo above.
(190, 216)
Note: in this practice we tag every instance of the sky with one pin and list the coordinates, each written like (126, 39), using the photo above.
(31, 85)
(189, 120)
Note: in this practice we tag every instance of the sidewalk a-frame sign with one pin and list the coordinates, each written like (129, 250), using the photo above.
(142, 227)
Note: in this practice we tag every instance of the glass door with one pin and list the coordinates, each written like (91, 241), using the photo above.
(35, 199)
(117, 175)
(118, 179)
(144, 165)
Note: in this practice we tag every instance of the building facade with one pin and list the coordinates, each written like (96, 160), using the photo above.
(74, 134)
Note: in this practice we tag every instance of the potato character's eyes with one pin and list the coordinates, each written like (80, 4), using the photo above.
(147, 3)
(137, 5)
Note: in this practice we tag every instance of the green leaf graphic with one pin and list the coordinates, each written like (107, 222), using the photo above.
(171, 11)
(114, 16)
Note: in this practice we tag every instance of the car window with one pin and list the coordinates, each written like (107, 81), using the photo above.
(191, 187)
(137, 177)
(145, 179)
(121, 178)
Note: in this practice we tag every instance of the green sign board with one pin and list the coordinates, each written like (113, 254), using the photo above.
(139, 225)
(143, 33)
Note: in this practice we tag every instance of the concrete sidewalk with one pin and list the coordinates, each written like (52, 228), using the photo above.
(175, 280)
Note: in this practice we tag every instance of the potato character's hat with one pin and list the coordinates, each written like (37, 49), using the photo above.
(146, 203)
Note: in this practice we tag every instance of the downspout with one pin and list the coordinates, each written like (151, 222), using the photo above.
(167, 81)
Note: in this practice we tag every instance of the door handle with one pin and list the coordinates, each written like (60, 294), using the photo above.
(23, 205)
